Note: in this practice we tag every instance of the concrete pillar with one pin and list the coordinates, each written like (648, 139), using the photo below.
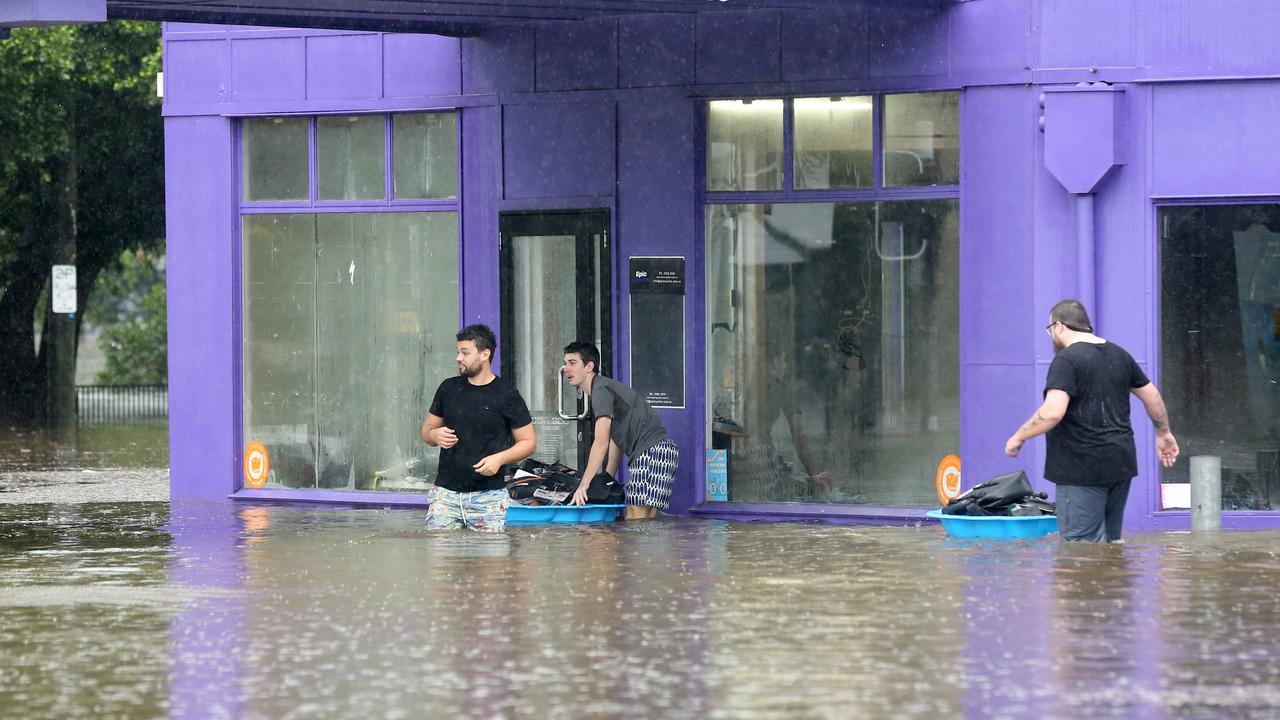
(1206, 493)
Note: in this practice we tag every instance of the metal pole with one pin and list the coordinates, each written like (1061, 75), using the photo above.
(1206, 493)
(1086, 270)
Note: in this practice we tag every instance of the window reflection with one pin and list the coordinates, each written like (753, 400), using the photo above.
(350, 158)
(426, 155)
(833, 370)
(922, 139)
(1220, 347)
(744, 145)
(349, 321)
(274, 156)
(832, 143)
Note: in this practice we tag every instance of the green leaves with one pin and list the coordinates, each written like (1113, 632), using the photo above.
(78, 107)
(137, 347)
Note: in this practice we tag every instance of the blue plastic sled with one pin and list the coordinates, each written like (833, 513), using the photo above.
(561, 514)
(995, 526)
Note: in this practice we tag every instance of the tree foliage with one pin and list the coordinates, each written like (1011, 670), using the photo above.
(81, 166)
(136, 347)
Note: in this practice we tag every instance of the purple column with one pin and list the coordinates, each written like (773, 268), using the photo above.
(204, 327)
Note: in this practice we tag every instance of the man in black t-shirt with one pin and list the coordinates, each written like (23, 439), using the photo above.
(1090, 454)
(482, 425)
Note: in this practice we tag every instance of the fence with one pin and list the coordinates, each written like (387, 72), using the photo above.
(121, 403)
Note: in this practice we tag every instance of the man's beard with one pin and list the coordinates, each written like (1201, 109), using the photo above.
(470, 371)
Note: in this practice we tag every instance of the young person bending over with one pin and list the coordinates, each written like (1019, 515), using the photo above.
(624, 424)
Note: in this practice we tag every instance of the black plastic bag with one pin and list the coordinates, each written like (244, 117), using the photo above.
(605, 490)
(993, 497)
(554, 488)
(1033, 506)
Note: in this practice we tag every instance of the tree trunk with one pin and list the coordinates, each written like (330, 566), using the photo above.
(22, 375)
(58, 341)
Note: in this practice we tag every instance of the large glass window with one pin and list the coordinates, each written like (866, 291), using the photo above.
(348, 327)
(349, 313)
(922, 139)
(744, 145)
(1220, 347)
(833, 143)
(833, 352)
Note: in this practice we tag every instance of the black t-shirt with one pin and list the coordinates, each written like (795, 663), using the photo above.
(1093, 445)
(483, 417)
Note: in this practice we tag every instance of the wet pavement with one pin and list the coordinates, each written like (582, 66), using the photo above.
(153, 609)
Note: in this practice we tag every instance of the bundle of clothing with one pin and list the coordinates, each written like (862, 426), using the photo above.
(1009, 495)
(539, 483)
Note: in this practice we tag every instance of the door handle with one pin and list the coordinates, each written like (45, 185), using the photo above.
(586, 400)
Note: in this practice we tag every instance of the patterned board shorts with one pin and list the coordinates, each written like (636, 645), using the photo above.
(481, 511)
(652, 474)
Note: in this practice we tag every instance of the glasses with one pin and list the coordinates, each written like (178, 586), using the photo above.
(1047, 329)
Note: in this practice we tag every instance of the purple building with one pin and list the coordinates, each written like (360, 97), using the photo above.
(822, 237)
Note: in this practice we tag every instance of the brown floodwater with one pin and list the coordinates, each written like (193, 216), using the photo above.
(149, 608)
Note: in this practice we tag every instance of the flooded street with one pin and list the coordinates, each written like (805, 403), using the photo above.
(152, 609)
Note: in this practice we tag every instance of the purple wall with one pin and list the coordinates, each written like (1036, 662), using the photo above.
(202, 231)
(605, 114)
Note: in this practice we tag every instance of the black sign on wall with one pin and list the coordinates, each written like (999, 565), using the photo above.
(657, 329)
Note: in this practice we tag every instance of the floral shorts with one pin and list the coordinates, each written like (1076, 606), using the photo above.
(481, 511)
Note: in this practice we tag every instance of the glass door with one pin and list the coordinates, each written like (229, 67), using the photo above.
(555, 289)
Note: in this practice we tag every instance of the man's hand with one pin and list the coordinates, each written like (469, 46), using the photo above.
(580, 495)
(446, 438)
(488, 465)
(1167, 448)
(1012, 446)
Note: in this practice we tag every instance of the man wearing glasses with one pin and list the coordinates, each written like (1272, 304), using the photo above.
(1089, 451)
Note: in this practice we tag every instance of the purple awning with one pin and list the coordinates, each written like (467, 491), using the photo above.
(445, 17)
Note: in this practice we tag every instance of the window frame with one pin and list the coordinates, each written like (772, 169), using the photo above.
(313, 203)
(315, 206)
(789, 193)
(877, 193)
(1155, 329)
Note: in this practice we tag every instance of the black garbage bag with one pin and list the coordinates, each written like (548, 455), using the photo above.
(993, 497)
(554, 488)
(555, 484)
(541, 469)
(1033, 506)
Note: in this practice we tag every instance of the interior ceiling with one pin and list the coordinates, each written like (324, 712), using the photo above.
(450, 17)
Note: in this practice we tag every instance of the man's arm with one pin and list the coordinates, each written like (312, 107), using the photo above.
(526, 442)
(435, 434)
(595, 459)
(1045, 419)
(1166, 444)
(615, 458)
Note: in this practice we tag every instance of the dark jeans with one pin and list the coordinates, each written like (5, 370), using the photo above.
(1093, 513)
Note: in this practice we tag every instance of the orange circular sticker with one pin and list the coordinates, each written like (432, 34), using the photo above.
(256, 464)
(948, 478)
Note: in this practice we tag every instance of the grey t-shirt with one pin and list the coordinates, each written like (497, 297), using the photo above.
(636, 427)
